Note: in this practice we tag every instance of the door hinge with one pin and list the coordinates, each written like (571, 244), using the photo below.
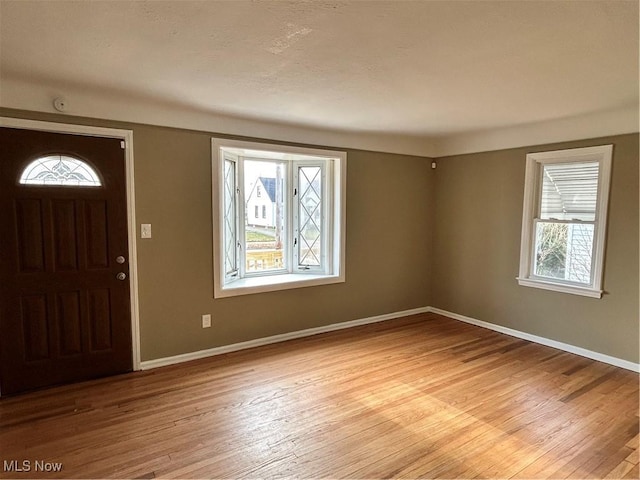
(123, 144)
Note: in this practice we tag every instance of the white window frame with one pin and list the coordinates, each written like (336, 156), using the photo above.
(334, 167)
(532, 198)
(326, 251)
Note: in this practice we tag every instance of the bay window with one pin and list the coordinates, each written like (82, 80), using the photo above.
(278, 217)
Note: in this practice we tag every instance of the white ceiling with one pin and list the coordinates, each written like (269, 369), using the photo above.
(422, 74)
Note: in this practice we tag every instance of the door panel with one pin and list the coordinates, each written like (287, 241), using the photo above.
(35, 322)
(100, 319)
(28, 217)
(64, 234)
(97, 245)
(68, 321)
(64, 316)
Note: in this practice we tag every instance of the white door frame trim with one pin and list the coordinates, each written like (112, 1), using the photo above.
(127, 137)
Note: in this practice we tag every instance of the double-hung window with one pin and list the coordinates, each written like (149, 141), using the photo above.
(564, 220)
(279, 214)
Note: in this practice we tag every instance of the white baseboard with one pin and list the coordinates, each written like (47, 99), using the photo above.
(601, 357)
(185, 357)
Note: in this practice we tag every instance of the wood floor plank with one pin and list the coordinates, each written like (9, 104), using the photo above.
(634, 473)
(421, 396)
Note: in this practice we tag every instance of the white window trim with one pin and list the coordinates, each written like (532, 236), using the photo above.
(276, 282)
(601, 154)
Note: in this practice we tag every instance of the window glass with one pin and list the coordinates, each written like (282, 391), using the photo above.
(229, 232)
(264, 234)
(60, 170)
(310, 216)
(569, 191)
(564, 251)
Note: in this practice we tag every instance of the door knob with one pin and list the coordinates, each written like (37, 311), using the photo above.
(121, 276)
(120, 259)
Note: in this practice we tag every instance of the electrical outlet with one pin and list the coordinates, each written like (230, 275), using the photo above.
(206, 321)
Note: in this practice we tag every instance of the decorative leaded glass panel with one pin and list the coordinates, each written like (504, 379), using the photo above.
(60, 170)
(310, 215)
(230, 238)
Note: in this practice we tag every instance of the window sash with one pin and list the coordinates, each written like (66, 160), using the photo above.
(534, 252)
(242, 214)
(307, 216)
(540, 173)
(571, 190)
(230, 217)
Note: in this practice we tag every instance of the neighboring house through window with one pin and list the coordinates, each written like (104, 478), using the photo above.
(264, 206)
(564, 220)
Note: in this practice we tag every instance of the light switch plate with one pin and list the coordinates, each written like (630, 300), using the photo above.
(206, 321)
(145, 230)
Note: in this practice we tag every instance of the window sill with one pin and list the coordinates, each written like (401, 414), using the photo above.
(273, 283)
(560, 287)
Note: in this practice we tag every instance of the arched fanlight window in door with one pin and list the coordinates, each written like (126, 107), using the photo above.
(60, 170)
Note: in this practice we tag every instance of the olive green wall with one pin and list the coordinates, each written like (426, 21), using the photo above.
(385, 269)
(388, 237)
(416, 237)
(477, 250)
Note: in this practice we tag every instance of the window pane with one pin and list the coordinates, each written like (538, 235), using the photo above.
(265, 230)
(310, 216)
(569, 191)
(564, 251)
(230, 236)
(60, 170)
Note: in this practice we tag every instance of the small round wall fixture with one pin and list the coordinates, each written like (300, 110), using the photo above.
(60, 104)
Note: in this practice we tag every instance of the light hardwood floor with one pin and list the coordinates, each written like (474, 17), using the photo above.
(422, 396)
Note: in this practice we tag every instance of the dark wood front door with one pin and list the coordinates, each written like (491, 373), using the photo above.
(64, 267)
